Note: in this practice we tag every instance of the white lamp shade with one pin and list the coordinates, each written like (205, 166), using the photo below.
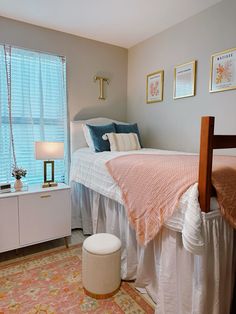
(49, 150)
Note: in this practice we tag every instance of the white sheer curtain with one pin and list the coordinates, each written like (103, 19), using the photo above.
(5, 138)
(33, 87)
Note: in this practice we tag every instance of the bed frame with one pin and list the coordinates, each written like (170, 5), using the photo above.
(208, 142)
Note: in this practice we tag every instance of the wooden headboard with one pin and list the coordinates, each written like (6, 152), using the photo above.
(208, 142)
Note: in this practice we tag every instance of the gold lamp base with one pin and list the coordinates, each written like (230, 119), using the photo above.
(49, 184)
(49, 167)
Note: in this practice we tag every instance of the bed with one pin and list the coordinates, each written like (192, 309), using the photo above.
(184, 269)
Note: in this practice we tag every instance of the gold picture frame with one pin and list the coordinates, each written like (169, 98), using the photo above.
(223, 71)
(185, 80)
(154, 87)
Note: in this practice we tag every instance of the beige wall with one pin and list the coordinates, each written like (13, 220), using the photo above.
(85, 58)
(175, 124)
(171, 124)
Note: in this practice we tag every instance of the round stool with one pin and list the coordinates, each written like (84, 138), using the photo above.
(101, 257)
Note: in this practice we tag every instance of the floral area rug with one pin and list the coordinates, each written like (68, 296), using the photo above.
(50, 283)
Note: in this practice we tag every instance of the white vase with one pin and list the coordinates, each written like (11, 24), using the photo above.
(18, 185)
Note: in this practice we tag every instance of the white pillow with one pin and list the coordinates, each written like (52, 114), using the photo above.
(88, 137)
(77, 138)
(122, 141)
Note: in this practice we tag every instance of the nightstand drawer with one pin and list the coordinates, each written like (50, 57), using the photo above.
(9, 231)
(44, 216)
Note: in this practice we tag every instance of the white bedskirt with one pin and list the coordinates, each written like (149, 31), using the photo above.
(178, 281)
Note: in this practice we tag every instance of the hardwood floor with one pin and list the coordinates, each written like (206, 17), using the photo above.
(75, 238)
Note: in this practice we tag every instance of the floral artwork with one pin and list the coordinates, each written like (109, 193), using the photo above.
(154, 88)
(223, 71)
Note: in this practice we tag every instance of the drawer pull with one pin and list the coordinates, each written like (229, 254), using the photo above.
(45, 196)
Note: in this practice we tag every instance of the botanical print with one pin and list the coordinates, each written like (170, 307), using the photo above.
(154, 88)
(223, 74)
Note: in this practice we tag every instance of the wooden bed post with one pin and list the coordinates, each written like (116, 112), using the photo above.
(208, 142)
(205, 162)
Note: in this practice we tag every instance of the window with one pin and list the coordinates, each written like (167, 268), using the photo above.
(33, 98)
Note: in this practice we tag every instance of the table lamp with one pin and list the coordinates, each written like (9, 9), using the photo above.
(49, 151)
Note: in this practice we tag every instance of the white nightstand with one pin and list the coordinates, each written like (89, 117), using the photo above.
(34, 216)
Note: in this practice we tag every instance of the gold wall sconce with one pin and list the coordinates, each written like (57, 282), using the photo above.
(101, 85)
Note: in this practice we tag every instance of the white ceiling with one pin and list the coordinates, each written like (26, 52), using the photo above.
(119, 22)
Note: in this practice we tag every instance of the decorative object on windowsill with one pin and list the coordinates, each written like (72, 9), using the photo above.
(47, 151)
(18, 173)
(101, 85)
(5, 187)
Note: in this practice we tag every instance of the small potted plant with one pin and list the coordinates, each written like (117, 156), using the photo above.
(18, 173)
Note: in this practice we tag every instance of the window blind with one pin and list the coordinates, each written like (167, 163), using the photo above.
(38, 110)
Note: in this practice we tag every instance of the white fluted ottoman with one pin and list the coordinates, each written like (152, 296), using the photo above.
(101, 257)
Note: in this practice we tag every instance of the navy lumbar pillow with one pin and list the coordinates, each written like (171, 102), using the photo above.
(96, 132)
(128, 128)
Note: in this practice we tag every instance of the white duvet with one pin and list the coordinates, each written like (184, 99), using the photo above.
(89, 169)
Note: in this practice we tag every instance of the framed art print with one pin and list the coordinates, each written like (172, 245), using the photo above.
(185, 80)
(154, 87)
(223, 71)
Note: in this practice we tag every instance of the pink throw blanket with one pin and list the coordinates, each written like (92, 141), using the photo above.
(151, 186)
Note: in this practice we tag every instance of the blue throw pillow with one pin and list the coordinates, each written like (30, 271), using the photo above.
(128, 128)
(96, 132)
